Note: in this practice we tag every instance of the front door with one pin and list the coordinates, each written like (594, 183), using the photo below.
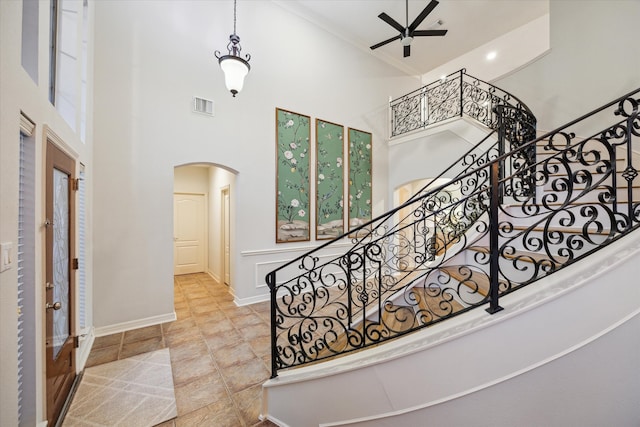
(59, 304)
(189, 233)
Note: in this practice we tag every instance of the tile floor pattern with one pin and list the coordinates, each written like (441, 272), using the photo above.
(220, 354)
(136, 391)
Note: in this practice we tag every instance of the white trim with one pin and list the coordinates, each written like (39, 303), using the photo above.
(290, 249)
(134, 324)
(27, 126)
(273, 420)
(82, 354)
(50, 135)
(259, 280)
(251, 300)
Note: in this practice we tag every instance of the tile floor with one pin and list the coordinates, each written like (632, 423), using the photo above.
(220, 354)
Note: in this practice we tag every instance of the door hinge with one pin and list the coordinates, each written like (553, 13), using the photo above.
(75, 264)
(75, 184)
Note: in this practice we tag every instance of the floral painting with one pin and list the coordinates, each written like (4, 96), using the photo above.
(360, 191)
(293, 199)
(329, 180)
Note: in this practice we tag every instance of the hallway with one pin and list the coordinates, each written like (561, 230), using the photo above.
(220, 354)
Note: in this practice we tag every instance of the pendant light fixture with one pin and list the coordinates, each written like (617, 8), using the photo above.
(235, 67)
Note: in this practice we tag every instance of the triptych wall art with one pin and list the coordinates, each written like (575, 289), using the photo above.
(292, 171)
(359, 178)
(294, 175)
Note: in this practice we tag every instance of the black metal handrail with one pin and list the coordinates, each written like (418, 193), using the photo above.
(484, 234)
(455, 95)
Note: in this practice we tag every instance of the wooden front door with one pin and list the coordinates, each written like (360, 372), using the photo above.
(60, 303)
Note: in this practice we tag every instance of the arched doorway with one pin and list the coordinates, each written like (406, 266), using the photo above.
(203, 217)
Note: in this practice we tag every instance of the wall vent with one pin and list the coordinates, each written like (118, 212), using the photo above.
(203, 106)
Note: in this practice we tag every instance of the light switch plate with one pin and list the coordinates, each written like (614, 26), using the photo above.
(6, 256)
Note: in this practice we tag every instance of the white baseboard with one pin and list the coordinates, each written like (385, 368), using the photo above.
(251, 300)
(135, 324)
(273, 420)
(214, 276)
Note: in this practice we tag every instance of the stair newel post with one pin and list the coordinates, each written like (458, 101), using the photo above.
(494, 307)
(500, 113)
(349, 296)
(271, 282)
(630, 172)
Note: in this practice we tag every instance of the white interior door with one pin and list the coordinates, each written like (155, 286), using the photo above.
(226, 261)
(189, 233)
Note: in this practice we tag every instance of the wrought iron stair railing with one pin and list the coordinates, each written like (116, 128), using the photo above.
(404, 254)
(505, 221)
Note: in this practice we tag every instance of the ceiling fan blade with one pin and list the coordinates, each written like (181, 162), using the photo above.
(389, 20)
(407, 51)
(418, 33)
(375, 46)
(427, 10)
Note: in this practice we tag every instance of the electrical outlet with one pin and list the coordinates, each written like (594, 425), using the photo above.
(6, 256)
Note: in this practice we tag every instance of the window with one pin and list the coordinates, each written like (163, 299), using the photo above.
(68, 66)
(29, 48)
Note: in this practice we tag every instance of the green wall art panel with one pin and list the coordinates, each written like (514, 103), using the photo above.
(293, 132)
(360, 190)
(329, 180)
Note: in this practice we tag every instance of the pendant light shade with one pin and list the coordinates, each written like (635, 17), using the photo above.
(235, 67)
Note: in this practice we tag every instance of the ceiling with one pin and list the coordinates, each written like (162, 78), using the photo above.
(470, 24)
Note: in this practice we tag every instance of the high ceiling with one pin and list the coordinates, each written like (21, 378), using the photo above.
(470, 24)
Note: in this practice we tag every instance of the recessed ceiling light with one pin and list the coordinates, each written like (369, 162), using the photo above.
(491, 55)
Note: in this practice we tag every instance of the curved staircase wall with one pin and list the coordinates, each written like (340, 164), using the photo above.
(564, 352)
(426, 153)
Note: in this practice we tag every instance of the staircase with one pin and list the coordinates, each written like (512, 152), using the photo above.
(518, 209)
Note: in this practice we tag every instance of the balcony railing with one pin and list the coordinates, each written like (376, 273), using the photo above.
(453, 96)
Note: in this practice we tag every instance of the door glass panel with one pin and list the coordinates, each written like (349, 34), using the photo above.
(60, 259)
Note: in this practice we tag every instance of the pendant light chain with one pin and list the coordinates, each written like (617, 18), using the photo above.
(235, 67)
(234, 16)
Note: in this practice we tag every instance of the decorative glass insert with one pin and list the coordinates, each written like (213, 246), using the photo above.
(61, 328)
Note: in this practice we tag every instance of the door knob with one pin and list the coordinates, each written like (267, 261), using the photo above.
(55, 306)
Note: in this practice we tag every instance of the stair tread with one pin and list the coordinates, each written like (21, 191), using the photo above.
(395, 320)
(434, 301)
(524, 255)
(475, 280)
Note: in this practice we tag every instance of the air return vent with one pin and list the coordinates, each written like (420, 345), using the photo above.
(204, 106)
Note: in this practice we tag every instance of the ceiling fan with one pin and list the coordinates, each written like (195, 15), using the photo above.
(408, 32)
